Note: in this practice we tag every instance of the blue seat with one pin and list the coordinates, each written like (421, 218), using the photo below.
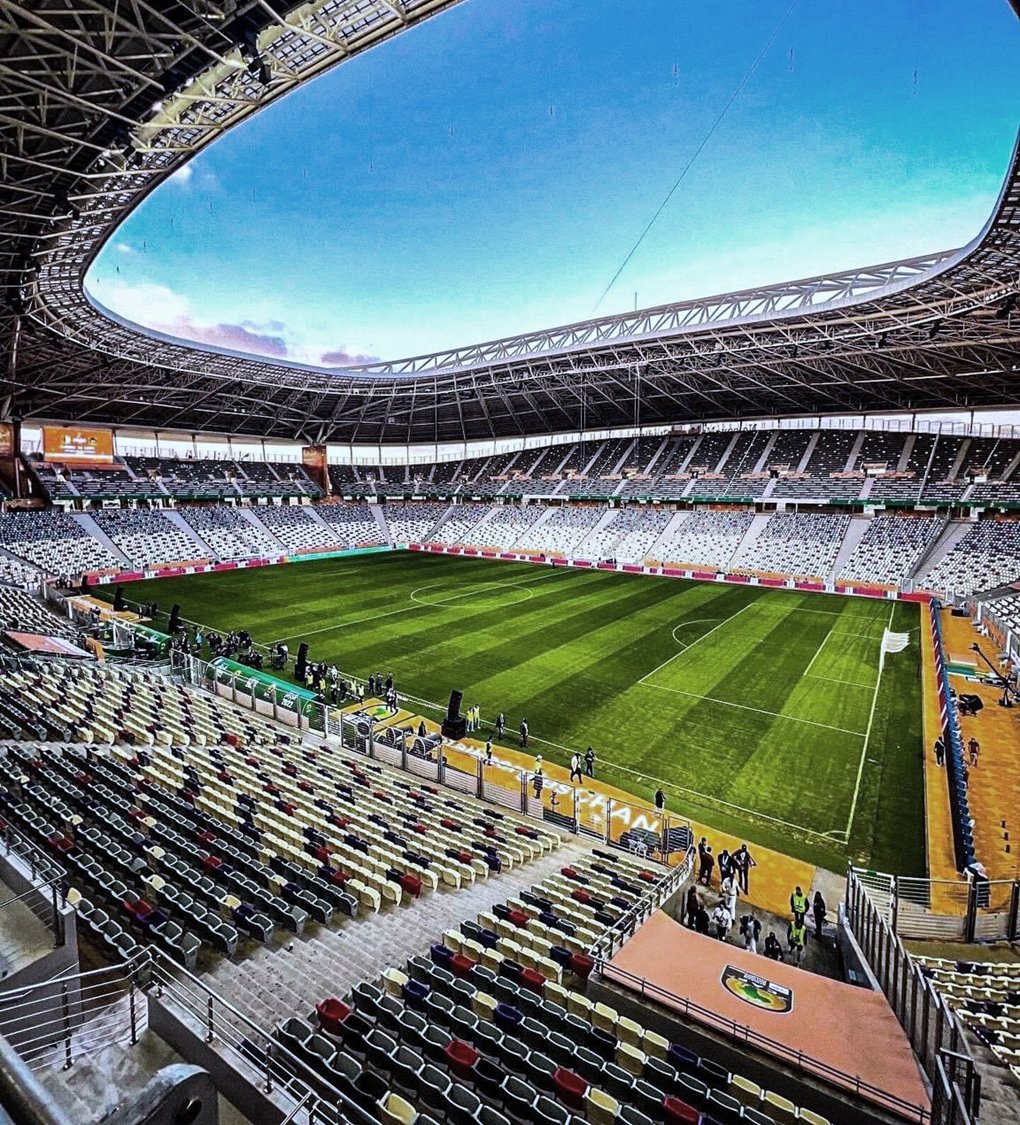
(507, 1016)
(415, 993)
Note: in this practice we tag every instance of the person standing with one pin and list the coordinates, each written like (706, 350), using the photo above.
(722, 919)
(773, 950)
(488, 750)
(524, 733)
(975, 749)
(575, 768)
(660, 800)
(819, 911)
(796, 936)
(692, 906)
(589, 762)
(798, 906)
(728, 889)
(500, 724)
(702, 922)
(750, 931)
(725, 863)
(743, 861)
(940, 751)
(538, 779)
(707, 866)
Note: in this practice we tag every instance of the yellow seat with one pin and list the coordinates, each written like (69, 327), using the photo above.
(483, 1005)
(782, 1109)
(631, 1059)
(629, 1031)
(602, 1107)
(605, 1017)
(393, 981)
(744, 1090)
(396, 1110)
(580, 1005)
(812, 1118)
(555, 993)
(654, 1044)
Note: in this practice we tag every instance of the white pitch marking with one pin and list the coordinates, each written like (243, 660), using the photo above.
(867, 733)
(684, 651)
(759, 710)
(684, 624)
(830, 680)
(818, 652)
(415, 606)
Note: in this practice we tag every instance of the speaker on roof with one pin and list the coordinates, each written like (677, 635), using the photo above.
(175, 617)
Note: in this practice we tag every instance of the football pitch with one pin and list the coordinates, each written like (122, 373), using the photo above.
(764, 712)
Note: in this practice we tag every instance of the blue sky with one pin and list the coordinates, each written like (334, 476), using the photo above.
(488, 172)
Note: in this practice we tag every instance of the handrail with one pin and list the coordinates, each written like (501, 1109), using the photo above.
(22, 1095)
(168, 980)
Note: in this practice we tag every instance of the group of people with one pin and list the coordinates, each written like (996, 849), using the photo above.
(587, 761)
(385, 690)
(732, 866)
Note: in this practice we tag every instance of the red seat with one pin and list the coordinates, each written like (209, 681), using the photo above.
(569, 872)
(461, 1058)
(461, 966)
(581, 965)
(517, 918)
(679, 1111)
(570, 1087)
(421, 829)
(332, 1013)
(649, 877)
(411, 884)
(580, 896)
(212, 863)
(533, 980)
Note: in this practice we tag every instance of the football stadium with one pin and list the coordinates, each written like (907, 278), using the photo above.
(614, 720)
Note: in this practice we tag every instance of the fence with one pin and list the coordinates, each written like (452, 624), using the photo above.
(45, 896)
(569, 807)
(58, 1023)
(971, 909)
(933, 1030)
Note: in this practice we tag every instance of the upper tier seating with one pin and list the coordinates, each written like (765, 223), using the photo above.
(147, 537)
(229, 534)
(890, 549)
(795, 543)
(705, 539)
(55, 542)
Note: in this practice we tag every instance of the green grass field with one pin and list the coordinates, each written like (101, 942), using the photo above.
(762, 711)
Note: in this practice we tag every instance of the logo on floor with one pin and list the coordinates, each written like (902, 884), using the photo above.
(757, 991)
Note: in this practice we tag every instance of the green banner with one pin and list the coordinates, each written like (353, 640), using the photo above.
(336, 554)
(161, 641)
(247, 680)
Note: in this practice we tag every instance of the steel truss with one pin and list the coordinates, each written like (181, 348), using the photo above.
(101, 100)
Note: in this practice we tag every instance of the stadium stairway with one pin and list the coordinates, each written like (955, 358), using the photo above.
(275, 982)
(755, 529)
(185, 528)
(379, 515)
(90, 527)
(581, 550)
(316, 518)
(253, 519)
(951, 535)
(855, 533)
(654, 551)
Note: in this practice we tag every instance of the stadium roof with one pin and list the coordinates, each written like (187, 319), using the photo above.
(101, 100)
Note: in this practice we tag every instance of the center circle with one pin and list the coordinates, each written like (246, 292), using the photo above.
(508, 594)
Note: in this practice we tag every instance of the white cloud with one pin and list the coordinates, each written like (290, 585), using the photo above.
(183, 175)
(124, 248)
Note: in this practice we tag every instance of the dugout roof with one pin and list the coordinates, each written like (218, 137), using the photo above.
(100, 100)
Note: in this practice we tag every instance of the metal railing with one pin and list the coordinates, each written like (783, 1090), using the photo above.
(626, 926)
(927, 1020)
(249, 1048)
(45, 898)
